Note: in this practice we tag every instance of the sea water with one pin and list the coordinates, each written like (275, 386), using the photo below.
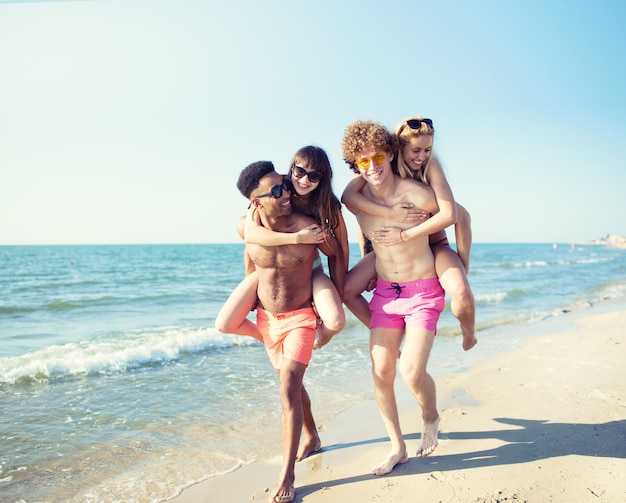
(114, 385)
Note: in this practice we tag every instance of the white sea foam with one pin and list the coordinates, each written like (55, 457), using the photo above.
(116, 354)
(494, 298)
(532, 263)
(596, 260)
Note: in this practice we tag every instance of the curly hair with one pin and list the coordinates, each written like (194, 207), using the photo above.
(322, 204)
(365, 135)
(251, 175)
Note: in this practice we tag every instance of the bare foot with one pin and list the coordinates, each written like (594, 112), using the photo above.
(309, 447)
(284, 494)
(322, 336)
(469, 341)
(389, 464)
(429, 439)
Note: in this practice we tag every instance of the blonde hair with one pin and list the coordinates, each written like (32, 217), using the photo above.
(404, 133)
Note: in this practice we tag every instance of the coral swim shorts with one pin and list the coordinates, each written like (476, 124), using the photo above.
(288, 335)
(415, 304)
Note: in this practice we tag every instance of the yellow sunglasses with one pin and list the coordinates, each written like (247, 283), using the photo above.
(364, 163)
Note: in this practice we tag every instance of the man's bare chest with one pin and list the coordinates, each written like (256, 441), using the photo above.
(280, 257)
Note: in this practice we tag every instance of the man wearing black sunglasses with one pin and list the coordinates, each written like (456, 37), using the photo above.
(285, 317)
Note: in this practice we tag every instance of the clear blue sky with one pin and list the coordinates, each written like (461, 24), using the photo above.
(129, 121)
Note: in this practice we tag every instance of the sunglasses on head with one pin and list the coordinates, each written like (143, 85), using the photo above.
(417, 123)
(300, 172)
(364, 163)
(277, 190)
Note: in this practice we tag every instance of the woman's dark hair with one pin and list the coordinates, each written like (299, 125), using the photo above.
(322, 203)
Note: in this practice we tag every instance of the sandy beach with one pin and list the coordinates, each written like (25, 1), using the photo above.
(544, 422)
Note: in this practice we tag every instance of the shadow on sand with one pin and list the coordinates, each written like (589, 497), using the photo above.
(529, 441)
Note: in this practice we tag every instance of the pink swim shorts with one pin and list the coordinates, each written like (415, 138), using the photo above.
(414, 304)
(288, 335)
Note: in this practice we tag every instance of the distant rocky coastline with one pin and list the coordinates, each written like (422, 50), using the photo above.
(609, 240)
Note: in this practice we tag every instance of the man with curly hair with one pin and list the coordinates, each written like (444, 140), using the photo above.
(285, 318)
(408, 298)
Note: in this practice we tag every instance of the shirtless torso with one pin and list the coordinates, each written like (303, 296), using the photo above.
(284, 272)
(406, 261)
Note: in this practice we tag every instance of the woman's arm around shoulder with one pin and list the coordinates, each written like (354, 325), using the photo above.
(255, 233)
(357, 202)
(447, 214)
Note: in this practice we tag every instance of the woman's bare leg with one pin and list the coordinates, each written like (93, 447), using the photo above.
(463, 236)
(232, 318)
(357, 281)
(453, 279)
(328, 306)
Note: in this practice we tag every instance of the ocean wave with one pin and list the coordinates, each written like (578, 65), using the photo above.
(528, 264)
(60, 306)
(133, 350)
(8, 310)
(38, 285)
(612, 290)
(531, 263)
(597, 260)
(494, 298)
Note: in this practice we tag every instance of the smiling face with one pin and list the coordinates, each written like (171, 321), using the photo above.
(374, 166)
(263, 197)
(417, 151)
(301, 179)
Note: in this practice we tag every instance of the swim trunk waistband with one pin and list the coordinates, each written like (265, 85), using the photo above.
(281, 316)
(406, 289)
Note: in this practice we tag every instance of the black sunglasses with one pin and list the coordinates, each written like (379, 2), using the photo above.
(300, 172)
(277, 190)
(417, 123)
